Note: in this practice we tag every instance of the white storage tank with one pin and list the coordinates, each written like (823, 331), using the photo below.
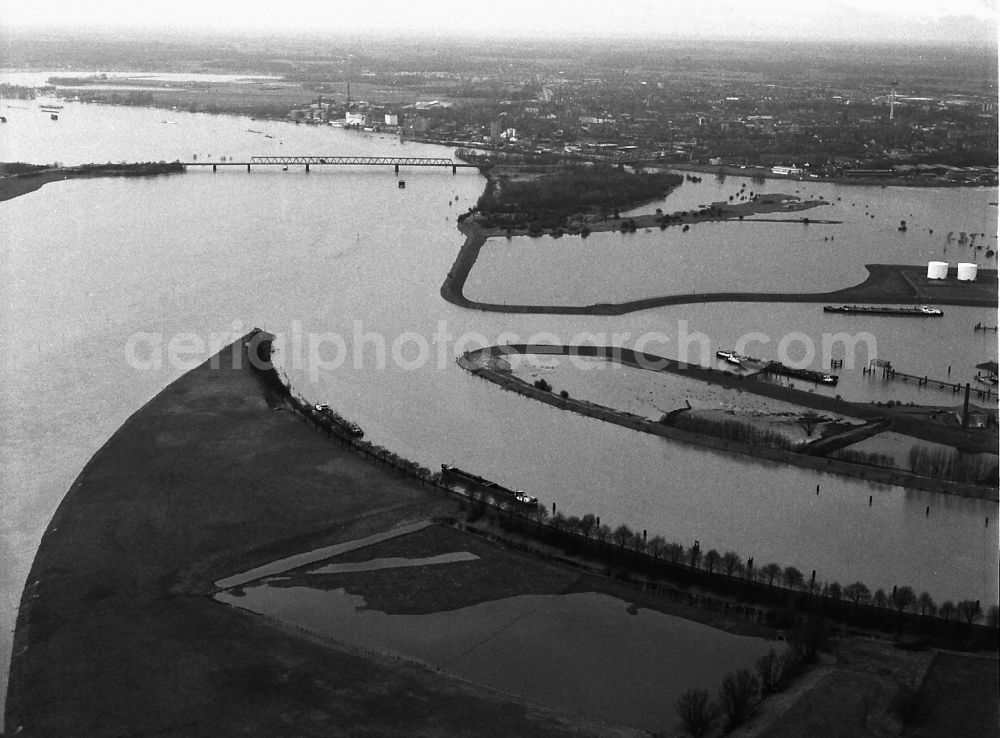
(967, 272)
(937, 270)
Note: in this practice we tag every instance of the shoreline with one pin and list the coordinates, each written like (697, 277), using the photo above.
(886, 284)
(16, 185)
(895, 477)
(117, 630)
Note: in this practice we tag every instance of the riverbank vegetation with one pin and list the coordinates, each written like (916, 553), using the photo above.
(20, 178)
(723, 582)
(954, 466)
(730, 430)
(549, 200)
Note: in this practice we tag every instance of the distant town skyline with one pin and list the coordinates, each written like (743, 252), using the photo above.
(962, 22)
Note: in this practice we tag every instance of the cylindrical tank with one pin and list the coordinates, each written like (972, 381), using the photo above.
(937, 270)
(967, 272)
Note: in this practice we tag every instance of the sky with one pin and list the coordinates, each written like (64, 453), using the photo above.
(947, 21)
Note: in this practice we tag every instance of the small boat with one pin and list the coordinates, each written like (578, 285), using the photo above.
(53, 116)
(284, 168)
(402, 185)
(723, 354)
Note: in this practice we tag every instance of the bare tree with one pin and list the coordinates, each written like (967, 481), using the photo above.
(674, 552)
(808, 422)
(622, 535)
(858, 593)
(697, 712)
(879, 599)
(770, 572)
(768, 669)
(711, 559)
(969, 611)
(737, 694)
(903, 598)
(947, 610)
(656, 546)
(925, 603)
(792, 577)
(731, 563)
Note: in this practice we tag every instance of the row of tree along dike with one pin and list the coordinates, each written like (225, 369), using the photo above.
(769, 594)
(278, 392)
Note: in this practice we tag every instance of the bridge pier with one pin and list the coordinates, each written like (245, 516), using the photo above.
(396, 168)
(215, 168)
(248, 168)
(454, 169)
(307, 169)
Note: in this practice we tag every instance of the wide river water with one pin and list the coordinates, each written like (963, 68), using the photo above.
(100, 275)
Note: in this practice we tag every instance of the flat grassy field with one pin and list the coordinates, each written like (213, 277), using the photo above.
(116, 634)
(960, 697)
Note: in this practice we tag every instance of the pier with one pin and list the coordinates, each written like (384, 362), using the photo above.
(986, 392)
(353, 161)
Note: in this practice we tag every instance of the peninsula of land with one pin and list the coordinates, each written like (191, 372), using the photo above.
(908, 421)
(18, 179)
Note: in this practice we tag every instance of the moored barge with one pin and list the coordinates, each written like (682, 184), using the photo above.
(922, 311)
(486, 485)
(776, 367)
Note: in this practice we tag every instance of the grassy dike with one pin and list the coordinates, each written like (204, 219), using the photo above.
(886, 284)
(117, 635)
(478, 363)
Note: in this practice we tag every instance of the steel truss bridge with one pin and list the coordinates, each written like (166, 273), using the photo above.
(371, 161)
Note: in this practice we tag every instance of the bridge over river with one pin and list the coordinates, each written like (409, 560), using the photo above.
(307, 161)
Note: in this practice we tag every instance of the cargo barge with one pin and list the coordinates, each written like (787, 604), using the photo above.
(486, 485)
(921, 312)
(776, 367)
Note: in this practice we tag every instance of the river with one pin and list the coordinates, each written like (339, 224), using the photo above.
(98, 271)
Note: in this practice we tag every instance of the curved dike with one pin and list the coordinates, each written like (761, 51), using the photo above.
(117, 634)
(479, 363)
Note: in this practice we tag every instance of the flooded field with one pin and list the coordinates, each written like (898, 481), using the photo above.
(757, 254)
(547, 648)
(640, 391)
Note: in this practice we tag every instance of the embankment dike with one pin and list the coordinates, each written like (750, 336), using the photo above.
(895, 421)
(886, 284)
(117, 634)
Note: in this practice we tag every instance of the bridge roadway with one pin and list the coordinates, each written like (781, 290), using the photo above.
(394, 161)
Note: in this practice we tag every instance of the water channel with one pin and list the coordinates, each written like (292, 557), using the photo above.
(100, 275)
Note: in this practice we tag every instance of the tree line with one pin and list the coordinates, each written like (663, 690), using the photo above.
(778, 596)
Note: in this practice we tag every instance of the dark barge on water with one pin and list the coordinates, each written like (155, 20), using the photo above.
(922, 311)
(776, 367)
(485, 485)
